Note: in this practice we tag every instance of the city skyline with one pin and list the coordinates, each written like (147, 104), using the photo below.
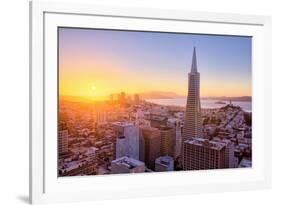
(138, 134)
(140, 62)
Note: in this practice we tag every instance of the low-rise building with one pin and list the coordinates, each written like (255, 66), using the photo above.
(164, 163)
(127, 165)
(245, 163)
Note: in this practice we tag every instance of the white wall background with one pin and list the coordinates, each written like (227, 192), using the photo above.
(14, 100)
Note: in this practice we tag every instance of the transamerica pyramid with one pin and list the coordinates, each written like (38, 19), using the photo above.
(193, 121)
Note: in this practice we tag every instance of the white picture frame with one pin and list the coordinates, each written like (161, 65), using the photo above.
(46, 187)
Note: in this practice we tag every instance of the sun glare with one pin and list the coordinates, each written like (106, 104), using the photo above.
(94, 88)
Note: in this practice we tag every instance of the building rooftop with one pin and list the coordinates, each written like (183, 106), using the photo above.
(206, 143)
(245, 163)
(128, 162)
(164, 128)
(123, 124)
(147, 128)
(164, 160)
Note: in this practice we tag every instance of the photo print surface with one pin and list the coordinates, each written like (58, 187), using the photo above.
(142, 101)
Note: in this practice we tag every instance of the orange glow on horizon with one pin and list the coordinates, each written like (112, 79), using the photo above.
(97, 79)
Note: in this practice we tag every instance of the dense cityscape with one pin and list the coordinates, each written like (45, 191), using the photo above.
(128, 134)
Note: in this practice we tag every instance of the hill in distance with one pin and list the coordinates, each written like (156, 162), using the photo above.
(172, 95)
(225, 98)
(159, 95)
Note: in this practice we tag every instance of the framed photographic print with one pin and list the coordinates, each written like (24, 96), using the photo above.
(130, 102)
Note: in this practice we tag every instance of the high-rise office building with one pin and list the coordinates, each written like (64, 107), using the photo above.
(100, 117)
(230, 160)
(127, 165)
(63, 141)
(178, 142)
(150, 145)
(63, 138)
(199, 153)
(121, 146)
(127, 139)
(167, 140)
(193, 121)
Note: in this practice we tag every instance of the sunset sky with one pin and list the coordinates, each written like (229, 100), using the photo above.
(96, 63)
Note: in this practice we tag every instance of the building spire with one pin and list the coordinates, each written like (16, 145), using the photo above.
(194, 61)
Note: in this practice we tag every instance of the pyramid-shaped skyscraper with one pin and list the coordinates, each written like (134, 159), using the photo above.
(193, 120)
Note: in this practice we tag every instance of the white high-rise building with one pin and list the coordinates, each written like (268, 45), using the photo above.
(193, 121)
(127, 139)
(121, 146)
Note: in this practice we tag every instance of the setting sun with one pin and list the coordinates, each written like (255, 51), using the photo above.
(94, 88)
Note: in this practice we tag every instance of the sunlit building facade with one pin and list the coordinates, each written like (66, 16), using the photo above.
(167, 140)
